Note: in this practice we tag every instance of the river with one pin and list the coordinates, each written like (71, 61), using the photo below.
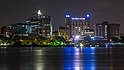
(61, 58)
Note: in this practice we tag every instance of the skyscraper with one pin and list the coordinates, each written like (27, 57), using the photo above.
(38, 24)
(106, 29)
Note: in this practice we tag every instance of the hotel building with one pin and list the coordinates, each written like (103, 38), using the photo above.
(78, 26)
(107, 30)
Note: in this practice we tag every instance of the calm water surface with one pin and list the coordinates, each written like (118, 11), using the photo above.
(69, 58)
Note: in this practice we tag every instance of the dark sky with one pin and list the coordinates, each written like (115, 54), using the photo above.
(12, 11)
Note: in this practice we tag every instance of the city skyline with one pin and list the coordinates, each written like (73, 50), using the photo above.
(16, 11)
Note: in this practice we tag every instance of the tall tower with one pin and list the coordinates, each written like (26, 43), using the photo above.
(45, 23)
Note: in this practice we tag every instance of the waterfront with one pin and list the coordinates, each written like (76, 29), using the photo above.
(61, 58)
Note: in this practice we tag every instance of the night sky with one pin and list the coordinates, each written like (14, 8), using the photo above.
(12, 11)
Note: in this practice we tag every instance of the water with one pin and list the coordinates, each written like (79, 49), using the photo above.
(69, 58)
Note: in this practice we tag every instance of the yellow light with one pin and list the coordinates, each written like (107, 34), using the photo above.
(81, 45)
(110, 40)
(21, 40)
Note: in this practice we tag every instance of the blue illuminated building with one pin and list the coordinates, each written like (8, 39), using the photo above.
(78, 25)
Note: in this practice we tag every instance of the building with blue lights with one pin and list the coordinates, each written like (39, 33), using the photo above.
(78, 25)
(94, 41)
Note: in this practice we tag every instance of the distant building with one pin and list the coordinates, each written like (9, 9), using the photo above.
(55, 33)
(107, 30)
(89, 32)
(95, 41)
(77, 26)
(23, 29)
(38, 24)
(4, 30)
(63, 32)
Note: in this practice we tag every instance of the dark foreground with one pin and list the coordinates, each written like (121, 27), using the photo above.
(67, 58)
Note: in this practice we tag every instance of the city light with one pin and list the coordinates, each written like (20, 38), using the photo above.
(88, 15)
(39, 12)
(77, 36)
(67, 16)
(78, 18)
(92, 37)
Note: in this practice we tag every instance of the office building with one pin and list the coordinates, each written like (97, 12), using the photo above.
(107, 30)
(38, 24)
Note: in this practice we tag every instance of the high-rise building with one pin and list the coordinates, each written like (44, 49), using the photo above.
(106, 29)
(77, 26)
(38, 24)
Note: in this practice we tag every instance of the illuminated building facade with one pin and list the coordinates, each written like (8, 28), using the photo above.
(23, 29)
(38, 24)
(63, 32)
(77, 26)
(107, 30)
(55, 33)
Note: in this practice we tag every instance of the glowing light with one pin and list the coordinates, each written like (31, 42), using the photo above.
(110, 40)
(77, 36)
(4, 44)
(92, 37)
(78, 18)
(81, 45)
(39, 12)
(67, 16)
(88, 15)
(92, 48)
(77, 68)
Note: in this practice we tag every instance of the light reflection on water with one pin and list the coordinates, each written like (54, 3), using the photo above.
(89, 57)
(65, 58)
(80, 59)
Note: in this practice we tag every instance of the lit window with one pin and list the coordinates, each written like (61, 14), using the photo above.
(23, 26)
